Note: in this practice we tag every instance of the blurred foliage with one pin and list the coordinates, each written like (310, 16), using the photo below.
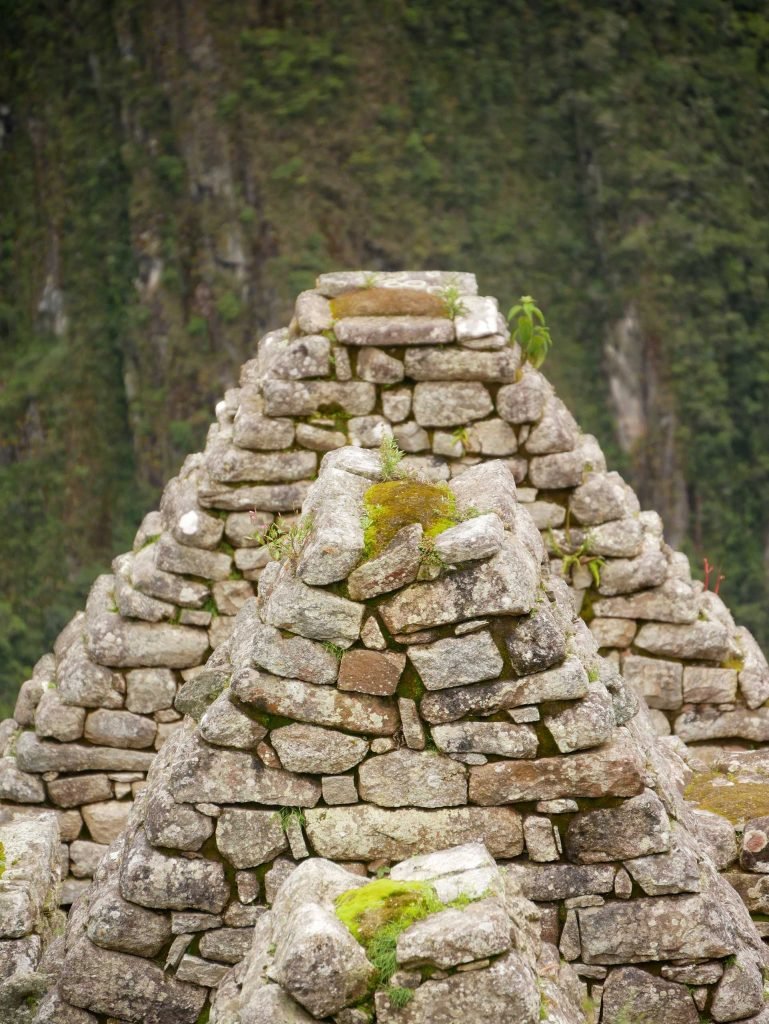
(172, 176)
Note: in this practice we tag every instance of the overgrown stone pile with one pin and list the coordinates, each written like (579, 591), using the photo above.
(29, 912)
(427, 689)
(452, 937)
(423, 356)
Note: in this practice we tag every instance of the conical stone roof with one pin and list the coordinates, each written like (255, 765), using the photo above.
(434, 690)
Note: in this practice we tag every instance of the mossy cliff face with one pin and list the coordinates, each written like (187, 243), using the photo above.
(171, 177)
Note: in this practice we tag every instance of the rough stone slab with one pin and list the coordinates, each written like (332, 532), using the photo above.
(174, 826)
(149, 689)
(303, 357)
(334, 506)
(179, 558)
(566, 469)
(624, 575)
(740, 991)
(567, 682)
(31, 852)
(309, 748)
(674, 601)
(313, 613)
(635, 828)
(555, 431)
(505, 991)
(536, 642)
(660, 682)
(395, 567)
(524, 401)
(412, 438)
(456, 661)
(585, 723)
(661, 928)
(490, 487)
(453, 937)
(602, 498)
(368, 431)
(294, 657)
(201, 972)
(304, 702)
(81, 681)
(303, 398)
(227, 944)
(490, 437)
(225, 725)
(160, 882)
(275, 498)
(114, 923)
(754, 675)
(58, 721)
(507, 584)
(36, 755)
(410, 778)
(709, 685)
(433, 281)
(313, 313)
(478, 317)
(543, 842)
(372, 672)
(379, 368)
(666, 873)
(631, 994)
(248, 838)
(706, 641)
(114, 641)
(227, 464)
(615, 769)
(399, 330)
(128, 987)
(218, 775)
(167, 587)
(476, 538)
(19, 786)
(105, 821)
(706, 722)
(547, 882)
(451, 404)
(79, 789)
(613, 632)
(429, 364)
(120, 729)
(318, 439)
(251, 429)
(364, 832)
(502, 738)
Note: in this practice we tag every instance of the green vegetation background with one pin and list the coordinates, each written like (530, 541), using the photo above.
(171, 175)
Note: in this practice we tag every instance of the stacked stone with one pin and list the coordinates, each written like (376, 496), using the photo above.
(29, 914)
(365, 711)
(481, 962)
(422, 356)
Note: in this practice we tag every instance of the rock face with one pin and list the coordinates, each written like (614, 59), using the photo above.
(471, 706)
(456, 396)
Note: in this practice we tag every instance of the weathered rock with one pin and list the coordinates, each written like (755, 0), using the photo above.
(547, 882)
(660, 682)
(585, 723)
(456, 661)
(294, 657)
(400, 330)
(450, 404)
(253, 430)
(503, 738)
(79, 789)
(672, 872)
(199, 971)
(543, 842)
(131, 988)
(30, 873)
(376, 366)
(612, 770)
(198, 693)
(311, 612)
(716, 836)
(706, 722)
(364, 832)
(673, 601)
(524, 401)
(308, 748)
(491, 437)
(706, 641)
(225, 725)
(506, 991)
(218, 775)
(504, 585)
(480, 537)
(149, 689)
(82, 682)
(303, 398)
(601, 498)
(536, 642)
(317, 439)
(55, 719)
(292, 698)
(120, 729)
(754, 853)
(154, 880)
(174, 826)
(556, 430)
(754, 675)
(709, 685)
(567, 469)
(333, 506)
(567, 682)
(433, 282)
(227, 944)
(84, 858)
(490, 487)
(19, 786)
(248, 838)
(431, 364)
(371, 671)
(105, 821)
(303, 357)
(319, 962)
(114, 923)
(740, 991)
(613, 632)
(411, 724)
(410, 778)
(266, 498)
(624, 575)
(453, 937)
(179, 558)
(663, 928)
(635, 828)
(313, 313)
(394, 568)
(631, 994)
(36, 755)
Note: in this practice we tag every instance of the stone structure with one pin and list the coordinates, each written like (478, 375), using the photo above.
(364, 354)
(29, 912)
(483, 959)
(391, 695)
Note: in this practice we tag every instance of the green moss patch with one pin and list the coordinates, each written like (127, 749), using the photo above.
(735, 801)
(388, 302)
(397, 503)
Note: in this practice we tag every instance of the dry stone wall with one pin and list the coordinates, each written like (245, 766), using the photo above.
(364, 355)
(453, 701)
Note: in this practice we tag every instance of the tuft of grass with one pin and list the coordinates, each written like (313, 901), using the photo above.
(390, 458)
(334, 649)
(399, 996)
(291, 814)
(284, 541)
(452, 303)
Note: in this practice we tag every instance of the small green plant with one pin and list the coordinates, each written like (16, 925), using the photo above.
(291, 815)
(453, 303)
(399, 996)
(369, 279)
(593, 675)
(431, 558)
(530, 330)
(282, 540)
(581, 556)
(460, 435)
(334, 649)
(390, 458)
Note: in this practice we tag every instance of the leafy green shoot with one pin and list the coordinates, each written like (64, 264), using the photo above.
(530, 331)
